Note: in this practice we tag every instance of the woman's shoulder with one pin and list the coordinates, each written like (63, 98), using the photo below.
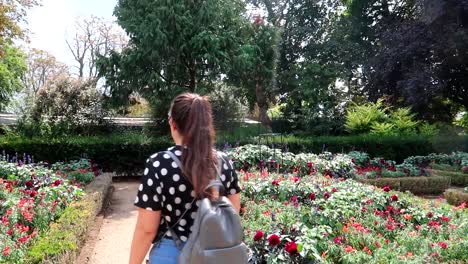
(163, 156)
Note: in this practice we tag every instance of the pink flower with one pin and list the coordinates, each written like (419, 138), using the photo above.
(386, 188)
(6, 251)
(349, 248)
(337, 240)
(275, 183)
(274, 240)
(443, 245)
(334, 190)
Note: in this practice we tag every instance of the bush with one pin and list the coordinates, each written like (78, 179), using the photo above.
(456, 178)
(126, 153)
(63, 106)
(416, 185)
(456, 196)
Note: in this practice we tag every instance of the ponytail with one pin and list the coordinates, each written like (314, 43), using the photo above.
(192, 115)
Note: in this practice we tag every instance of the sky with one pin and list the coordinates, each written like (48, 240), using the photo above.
(49, 23)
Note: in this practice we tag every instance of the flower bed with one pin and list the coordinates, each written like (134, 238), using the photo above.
(31, 197)
(291, 219)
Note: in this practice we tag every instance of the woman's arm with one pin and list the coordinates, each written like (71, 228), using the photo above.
(145, 231)
(235, 200)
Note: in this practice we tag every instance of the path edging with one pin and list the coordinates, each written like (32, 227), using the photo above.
(62, 243)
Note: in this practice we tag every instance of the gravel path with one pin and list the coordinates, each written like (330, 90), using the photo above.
(112, 243)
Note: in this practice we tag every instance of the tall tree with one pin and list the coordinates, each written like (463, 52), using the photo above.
(254, 68)
(93, 37)
(42, 67)
(175, 46)
(12, 67)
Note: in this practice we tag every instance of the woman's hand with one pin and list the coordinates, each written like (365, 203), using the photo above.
(145, 231)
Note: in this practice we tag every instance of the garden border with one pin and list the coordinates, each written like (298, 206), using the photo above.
(63, 241)
(416, 185)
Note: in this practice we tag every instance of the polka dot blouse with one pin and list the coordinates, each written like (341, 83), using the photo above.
(164, 188)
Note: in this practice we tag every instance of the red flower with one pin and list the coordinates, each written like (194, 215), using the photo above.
(293, 199)
(258, 235)
(291, 248)
(29, 183)
(57, 182)
(386, 188)
(274, 240)
(433, 223)
(377, 244)
(337, 240)
(326, 195)
(430, 215)
(6, 251)
(443, 245)
(275, 183)
(334, 190)
(444, 219)
(312, 196)
(394, 198)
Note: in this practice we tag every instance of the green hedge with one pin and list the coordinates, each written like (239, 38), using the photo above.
(388, 147)
(61, 244)
(126, 153)
(456, 196)
(416, 185)
(119, 154)
(456, 178)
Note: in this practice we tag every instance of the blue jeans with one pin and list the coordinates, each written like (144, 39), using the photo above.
(165, 252)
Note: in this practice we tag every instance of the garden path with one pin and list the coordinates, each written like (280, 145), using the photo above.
(112, 243)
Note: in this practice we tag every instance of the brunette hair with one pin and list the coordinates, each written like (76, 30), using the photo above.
(192, 116)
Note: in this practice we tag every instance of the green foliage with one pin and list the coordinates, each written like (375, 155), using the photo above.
(403, 120)
(12, 67)
(360, 118)
(227, 106)
(174, 47)
(376, 119)
(428, 130)
(463, 122)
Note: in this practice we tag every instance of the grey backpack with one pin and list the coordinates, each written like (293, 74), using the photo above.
(217, 232)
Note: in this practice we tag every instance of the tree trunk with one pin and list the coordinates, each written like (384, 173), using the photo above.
(193, 77)
(262, 103)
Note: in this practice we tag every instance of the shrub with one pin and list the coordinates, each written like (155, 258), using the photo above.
(416, 185)
(456, 178)
(456, 196)
(63, 106)
(360, 118)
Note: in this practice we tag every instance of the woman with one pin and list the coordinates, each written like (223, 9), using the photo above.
(168, 195)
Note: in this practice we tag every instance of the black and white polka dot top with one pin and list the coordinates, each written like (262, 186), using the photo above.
(163, 187)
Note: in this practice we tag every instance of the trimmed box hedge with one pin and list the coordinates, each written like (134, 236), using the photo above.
(416, 185)
(126, 154)
(456, 196)
(62, 243)
(456, 178)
